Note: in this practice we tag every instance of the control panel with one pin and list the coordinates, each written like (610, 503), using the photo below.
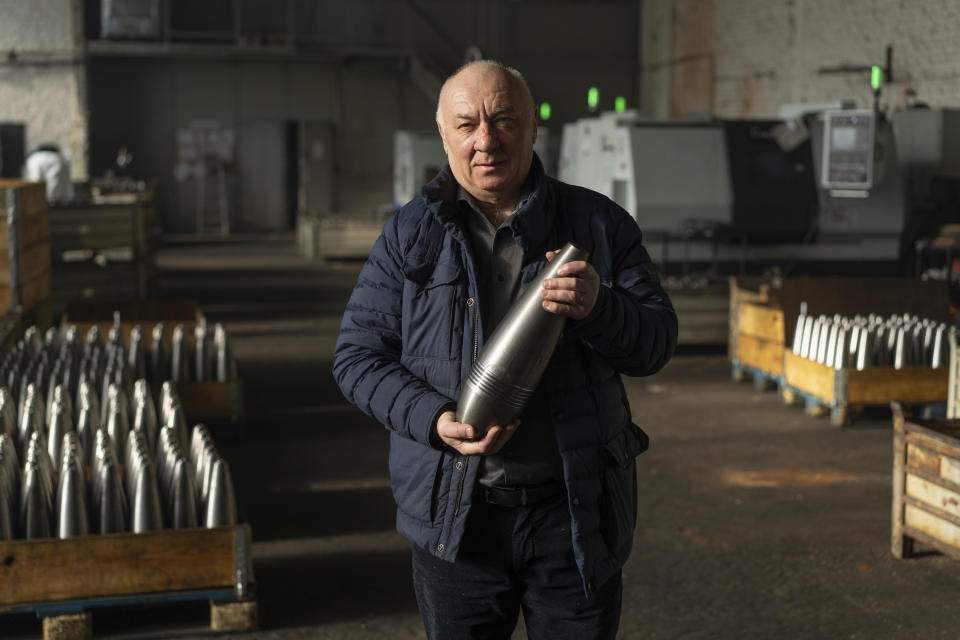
(848, 149)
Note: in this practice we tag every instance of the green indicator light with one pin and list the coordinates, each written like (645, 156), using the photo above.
(876, 77)
(620, 104)
(593, 97)
(544, 110)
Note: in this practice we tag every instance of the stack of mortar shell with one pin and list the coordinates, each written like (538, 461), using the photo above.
(88, 418)
(218, 504)
(145, 413)
(176, 478)
(9, 487)
(208, 361)
(75, 414)
(63, 358)
(109, 499)
(143, 490)
(211, 353)
(36, 497)
(71, 515)
(866, 341)
(171, 413)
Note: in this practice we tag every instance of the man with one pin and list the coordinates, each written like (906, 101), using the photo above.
(537, 514)
(48, 164)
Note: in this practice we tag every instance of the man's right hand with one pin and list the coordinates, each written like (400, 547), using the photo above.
(461, 436)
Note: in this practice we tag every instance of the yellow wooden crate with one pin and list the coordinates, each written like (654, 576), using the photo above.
(845, 391)
(926, 484)
(763, 355)
(761, 321)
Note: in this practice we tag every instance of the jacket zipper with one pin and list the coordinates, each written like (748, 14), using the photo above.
(476, 346)
(476, 333)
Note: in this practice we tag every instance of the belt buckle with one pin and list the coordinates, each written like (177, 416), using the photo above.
(523, 497)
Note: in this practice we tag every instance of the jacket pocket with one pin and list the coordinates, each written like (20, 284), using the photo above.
(426, 274)
(618, 503)
(430, 294)
(416, 478)
(626, 444)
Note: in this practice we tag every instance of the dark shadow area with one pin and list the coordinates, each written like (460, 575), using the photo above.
(302, 514)
(20, 626)
(305, 422)
(872, 417)
(285, 385)
(304, 590)
(700, 349)
(180, 619)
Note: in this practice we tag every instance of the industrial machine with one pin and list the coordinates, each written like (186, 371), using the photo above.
(862, 206)
(928, 143)
(822, 188)
(417, 158)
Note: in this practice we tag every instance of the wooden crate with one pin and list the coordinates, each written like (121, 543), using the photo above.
(25, 247)
(118, 228)
(756, 336)
(62, 580)
(926, 484)
(759, 342)
(953, 391)
(845, 392)
(33, 199)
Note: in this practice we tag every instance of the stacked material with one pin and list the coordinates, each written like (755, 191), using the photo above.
(206, 359)
(76, 419)
(866, 341)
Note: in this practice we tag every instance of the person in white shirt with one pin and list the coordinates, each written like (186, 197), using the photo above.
(49, 165)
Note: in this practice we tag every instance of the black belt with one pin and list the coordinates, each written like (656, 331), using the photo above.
(520, 496)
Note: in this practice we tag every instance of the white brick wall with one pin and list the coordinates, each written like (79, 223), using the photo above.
(36, 25)
(769, 52)
(43, 84)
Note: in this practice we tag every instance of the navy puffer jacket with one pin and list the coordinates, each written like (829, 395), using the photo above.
(411, 332)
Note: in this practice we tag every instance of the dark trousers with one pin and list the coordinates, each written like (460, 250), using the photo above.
(513, 557)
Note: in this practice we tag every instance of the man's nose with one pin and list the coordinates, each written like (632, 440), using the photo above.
(486, 138)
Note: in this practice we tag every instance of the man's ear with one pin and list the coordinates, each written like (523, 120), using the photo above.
(534, 129)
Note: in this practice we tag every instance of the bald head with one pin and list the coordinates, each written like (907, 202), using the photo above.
(486, 120)
(514, 77)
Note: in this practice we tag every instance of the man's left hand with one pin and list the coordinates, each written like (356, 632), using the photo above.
(573, 292)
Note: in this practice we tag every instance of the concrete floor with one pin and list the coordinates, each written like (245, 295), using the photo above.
(756, 521)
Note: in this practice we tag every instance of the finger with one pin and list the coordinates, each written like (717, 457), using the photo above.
(456, 431)
(482, 446)
(572, 297)
(559, 309)
(576, 267)
(563, 283)
(508, 432)
(552, 254)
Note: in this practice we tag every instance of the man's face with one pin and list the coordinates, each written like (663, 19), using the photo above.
(488, 130)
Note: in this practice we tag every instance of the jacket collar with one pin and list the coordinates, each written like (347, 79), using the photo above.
(532, 224)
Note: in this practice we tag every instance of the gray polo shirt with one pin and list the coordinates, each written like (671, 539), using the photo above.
(531, 457)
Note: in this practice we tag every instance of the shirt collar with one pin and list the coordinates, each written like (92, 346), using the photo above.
(525, 192)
